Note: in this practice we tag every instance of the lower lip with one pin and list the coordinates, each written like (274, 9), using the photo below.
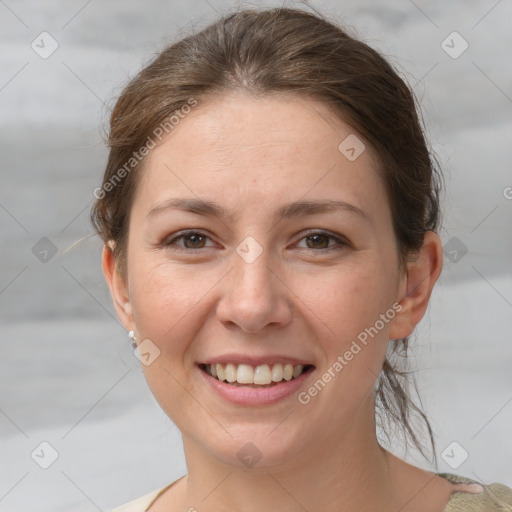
(241, 395)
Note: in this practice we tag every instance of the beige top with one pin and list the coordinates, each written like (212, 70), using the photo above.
(494, 498)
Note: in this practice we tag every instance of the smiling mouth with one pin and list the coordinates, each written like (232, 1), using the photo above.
(262, 376)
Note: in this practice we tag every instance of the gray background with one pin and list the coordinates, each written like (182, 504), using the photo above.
(67, 374)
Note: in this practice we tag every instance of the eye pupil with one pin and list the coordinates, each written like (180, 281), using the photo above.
(316, 238)
(194, 238)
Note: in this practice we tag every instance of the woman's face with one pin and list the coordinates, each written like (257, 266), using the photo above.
(271, 272)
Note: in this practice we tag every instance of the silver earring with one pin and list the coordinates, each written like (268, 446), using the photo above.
(131, 335)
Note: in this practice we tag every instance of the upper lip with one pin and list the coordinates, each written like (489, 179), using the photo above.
(254, 360)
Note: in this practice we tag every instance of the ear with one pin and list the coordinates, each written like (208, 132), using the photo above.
(118, 287)
(416, 286)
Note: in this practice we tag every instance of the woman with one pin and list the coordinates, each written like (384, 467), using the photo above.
(269, 211)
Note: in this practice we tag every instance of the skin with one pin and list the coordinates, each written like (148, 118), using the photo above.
(308, 298)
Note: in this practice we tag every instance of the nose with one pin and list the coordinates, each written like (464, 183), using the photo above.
(254, 296)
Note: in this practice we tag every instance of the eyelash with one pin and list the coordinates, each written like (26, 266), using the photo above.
(184, 234)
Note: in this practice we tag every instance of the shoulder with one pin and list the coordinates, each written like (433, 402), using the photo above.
(495, 497)
(140, 504)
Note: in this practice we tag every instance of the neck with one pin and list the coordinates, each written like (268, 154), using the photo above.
(344, 470)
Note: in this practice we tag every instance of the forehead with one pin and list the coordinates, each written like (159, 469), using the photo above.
(262, 149)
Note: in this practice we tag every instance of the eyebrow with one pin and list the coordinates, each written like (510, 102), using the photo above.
(295, 209)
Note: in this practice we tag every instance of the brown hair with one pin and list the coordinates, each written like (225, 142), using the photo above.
(286, 50)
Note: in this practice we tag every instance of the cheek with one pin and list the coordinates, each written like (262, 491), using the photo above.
(170, 303)
(349, 298)
(167, 306)
(162, 295)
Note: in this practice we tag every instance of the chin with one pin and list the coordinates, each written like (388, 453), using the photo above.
(258, 447)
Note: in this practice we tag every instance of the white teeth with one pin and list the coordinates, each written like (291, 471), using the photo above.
(244, 374)
(277, 373)
(297, 370)
(261, 375)
(219, 370)
(230, 372)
